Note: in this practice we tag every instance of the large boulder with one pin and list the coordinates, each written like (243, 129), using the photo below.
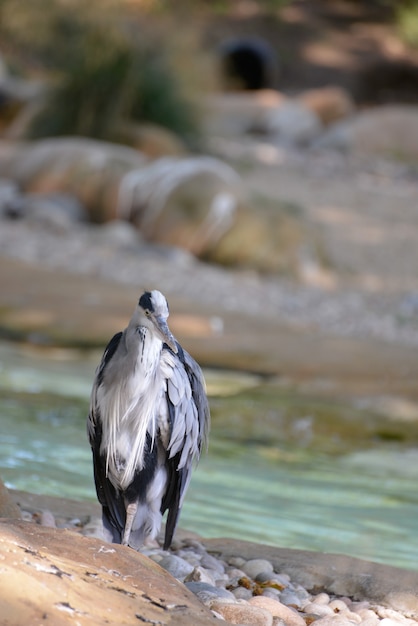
(88, 169)
(387, 131)
(189, 202)
(269, 237)
(58, 577)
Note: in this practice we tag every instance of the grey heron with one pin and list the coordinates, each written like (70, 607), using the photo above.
(148, 421)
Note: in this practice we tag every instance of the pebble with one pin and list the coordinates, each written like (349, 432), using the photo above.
(238, 591)
(176, 566)
(47, 519)
(289, 616)
(241, 593)
(334, 620)
(257, 567)
(290, 598)
(208, 594)
(338, 606)
(244, 613)
(317, 608)
(200, 574)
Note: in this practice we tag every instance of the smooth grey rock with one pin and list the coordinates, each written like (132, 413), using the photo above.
(209, 593)
(210, 562)
(290, 598)
(241, 593)
(176, 566)
(255, 567)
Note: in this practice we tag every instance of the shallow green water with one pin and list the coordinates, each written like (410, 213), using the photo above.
(283, 467)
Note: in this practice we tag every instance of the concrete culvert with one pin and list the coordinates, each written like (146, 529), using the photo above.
(248, 64)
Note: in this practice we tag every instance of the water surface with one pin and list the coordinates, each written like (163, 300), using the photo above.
(285, 468)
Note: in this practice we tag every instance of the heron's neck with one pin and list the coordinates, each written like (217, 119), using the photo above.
(149, 352)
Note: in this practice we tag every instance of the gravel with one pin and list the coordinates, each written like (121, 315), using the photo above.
(240, 591)
(117, 252)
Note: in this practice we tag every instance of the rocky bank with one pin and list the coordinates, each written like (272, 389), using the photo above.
(56, 569)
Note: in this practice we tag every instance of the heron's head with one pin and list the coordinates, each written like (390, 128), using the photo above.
(153, 313)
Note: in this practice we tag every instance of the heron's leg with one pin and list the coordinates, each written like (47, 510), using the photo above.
(131, 510)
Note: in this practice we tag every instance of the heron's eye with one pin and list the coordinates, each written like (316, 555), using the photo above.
(147, 312)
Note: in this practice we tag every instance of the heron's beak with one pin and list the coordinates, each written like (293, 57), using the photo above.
(165, 333)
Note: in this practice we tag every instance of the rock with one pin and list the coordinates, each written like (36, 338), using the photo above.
(405, 602)
(178, 567)
(238, 113)
(278, 610)
(48, 519)
(10, 199)
(269, 238)
(244, 614)
(338, 606)
(200, 574)
(334, 620)
(236, 561)
(290, 598)
(190, 203)
(293, 124)
(321, 598)
(185, 202)
(368, 617)
(338, 574)
(329, 103)
(210, 562)
(241, 593)
(208, 594)
(255, 567)
(389, 131)
(8, 508)
(318, 609)
(87, 169)
(55, 212)
(58, 577)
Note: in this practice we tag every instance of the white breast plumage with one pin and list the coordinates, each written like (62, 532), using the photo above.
(128, 411)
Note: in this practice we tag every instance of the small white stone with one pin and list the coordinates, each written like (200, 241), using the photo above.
(321, 598)
(338, 606)
(318, 609)
(199, 574)
(278, 610)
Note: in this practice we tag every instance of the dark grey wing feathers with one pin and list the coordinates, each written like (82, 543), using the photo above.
(113, 506)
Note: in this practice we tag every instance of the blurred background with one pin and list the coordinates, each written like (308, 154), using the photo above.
(256, 161)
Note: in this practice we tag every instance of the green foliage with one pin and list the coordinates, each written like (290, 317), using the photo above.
(102, 73)
(407, 20)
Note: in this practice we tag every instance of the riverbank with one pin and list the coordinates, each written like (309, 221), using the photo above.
(239, 582)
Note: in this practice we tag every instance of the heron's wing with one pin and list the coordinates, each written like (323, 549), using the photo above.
(94, 415)
(189, 417)
(113, 507)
